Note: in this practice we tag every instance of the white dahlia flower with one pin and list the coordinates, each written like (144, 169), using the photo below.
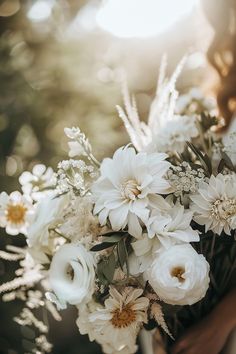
(215, 204)
(179, 275)
(128, 185)
(172, 226)
(71, 274)
(16, 213)
(121, 319)
(48, 213)
(172, 136)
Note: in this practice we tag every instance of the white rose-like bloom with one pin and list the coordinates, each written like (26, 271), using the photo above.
(215, 204)
(48, 213)
(71, 274)
(179, 275)
(128, 185)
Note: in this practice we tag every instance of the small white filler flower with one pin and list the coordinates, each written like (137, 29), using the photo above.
(128, 185)
(16, 213)
(179, 275)
(215, 204)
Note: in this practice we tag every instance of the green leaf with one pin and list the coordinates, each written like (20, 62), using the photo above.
(106, 269)
(228, 162)
(112, 233)
(110, 267)
(112, 239)
(204, 159)
(101, 246)
(121, 252)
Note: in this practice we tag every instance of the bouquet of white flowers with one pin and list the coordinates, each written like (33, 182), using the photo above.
(134, 240)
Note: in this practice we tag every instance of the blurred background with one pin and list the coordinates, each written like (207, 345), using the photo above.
(61, 64)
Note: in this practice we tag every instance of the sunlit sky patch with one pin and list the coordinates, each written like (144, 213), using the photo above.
(142, 18)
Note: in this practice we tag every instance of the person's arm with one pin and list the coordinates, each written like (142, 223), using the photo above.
(210, 334)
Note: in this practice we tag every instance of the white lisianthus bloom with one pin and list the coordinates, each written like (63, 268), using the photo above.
(71, 274)
(16, 213)
(179, 275)
(120, 320)
(128, 185)
(48, 213)
(172, 226)
(38, 183)
(172, 136)
(215, 204)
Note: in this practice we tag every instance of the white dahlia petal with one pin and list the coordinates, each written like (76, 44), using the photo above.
(215, 204)
(127, 187)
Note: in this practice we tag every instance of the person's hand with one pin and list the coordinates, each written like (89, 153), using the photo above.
(207, 337)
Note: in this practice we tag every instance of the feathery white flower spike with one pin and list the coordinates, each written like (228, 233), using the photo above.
(162, 109)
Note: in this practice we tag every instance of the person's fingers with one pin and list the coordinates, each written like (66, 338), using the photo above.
(179, 347)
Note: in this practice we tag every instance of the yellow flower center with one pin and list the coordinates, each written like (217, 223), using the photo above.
(130, 190)
(224, 209)
(15, 213)
(123, 318)
(178, 272)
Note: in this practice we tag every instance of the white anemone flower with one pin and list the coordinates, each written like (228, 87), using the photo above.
(16, 213)
(215, 204)
(179, 275)
(38, 183)
(48, 214)
(128, 185)
(71, 274)
(120, 320)
(172, 226)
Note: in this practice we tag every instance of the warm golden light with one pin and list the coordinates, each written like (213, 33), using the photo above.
(142, 18)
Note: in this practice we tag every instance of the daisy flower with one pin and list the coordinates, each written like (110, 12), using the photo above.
(15, 213)
(121, 319)
(128, 185)
(215, 204)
